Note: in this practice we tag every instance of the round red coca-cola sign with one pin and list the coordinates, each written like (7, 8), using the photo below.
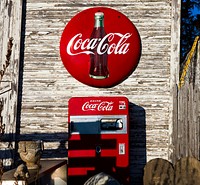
(100, 47)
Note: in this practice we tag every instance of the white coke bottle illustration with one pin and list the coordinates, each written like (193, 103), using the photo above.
(98, 62)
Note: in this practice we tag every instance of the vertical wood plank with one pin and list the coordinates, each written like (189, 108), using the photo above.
(188, 112)
(174, 71)
(175, 136)
(10, 32)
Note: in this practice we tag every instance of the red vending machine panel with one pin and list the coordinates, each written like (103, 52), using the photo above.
(98, 138)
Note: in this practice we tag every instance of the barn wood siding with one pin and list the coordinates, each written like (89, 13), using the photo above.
(187, 112)
(10, 32)
(47, 86)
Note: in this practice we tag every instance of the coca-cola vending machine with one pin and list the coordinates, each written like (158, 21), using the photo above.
(98, 138)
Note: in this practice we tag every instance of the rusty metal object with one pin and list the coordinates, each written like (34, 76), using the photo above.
(2, 126)
(21, 172)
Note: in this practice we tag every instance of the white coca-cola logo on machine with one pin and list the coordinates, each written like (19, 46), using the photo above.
(97, 106)
(100, 47)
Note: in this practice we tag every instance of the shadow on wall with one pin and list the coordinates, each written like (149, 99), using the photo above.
(59, 138)
(10, 157)
(137, 143)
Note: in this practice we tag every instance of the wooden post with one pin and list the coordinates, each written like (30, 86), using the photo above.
(158, 171)
(10, 34)
(174, 73)
(187, 171)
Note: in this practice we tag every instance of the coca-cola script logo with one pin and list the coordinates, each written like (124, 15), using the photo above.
(98, 106)
(100, 47)
(86, 46)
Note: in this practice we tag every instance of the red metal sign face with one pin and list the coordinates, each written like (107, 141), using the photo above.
(100, 47)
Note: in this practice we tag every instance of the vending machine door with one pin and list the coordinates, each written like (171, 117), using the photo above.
(99, 138)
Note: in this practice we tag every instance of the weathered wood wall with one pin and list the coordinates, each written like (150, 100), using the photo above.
(47, 86)
(187, 111)
(10, 33)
